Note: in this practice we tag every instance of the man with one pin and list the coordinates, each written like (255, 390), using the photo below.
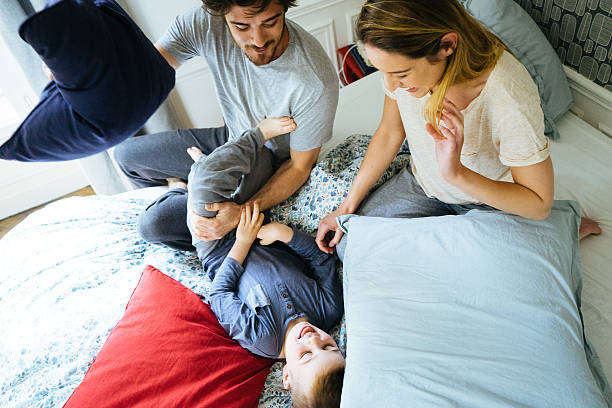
(263, 65)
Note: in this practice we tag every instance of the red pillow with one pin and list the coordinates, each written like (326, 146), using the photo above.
(168, 350)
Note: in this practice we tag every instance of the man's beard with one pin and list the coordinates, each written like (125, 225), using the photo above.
(271, 47)
(262, 59)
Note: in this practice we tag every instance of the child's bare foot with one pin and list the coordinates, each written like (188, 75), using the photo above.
(174, 183)
(272, 127)
(194, 153)
(588, 227)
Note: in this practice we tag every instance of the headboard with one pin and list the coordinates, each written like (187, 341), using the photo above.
(581, 33)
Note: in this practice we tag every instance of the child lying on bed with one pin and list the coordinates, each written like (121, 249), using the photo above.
(270, 297)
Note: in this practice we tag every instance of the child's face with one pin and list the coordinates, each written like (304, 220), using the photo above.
(308, 351)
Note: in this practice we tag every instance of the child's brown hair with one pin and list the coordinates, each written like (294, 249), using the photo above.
(325, 392)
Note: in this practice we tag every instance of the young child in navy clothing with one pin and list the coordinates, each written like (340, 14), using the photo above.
(278, 297)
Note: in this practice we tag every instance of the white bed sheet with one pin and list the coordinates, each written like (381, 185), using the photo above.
(66, 274)
(583, 172)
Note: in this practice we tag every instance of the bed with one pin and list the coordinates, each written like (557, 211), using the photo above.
(583, 172)
(68, 270)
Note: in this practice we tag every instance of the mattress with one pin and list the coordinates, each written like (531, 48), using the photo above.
(63, 262)
(66, 274)
(582, 159)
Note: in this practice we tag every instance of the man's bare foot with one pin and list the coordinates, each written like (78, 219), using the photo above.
(194, 153)
(272, 127)
(174, 183)
(588, 227)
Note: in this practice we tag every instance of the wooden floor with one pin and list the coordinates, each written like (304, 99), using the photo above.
(8, 223)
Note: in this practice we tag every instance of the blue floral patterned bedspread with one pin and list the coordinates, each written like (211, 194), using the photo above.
(68, 270)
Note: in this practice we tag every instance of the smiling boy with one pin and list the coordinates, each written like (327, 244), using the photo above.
(268, 301)
(274, 298)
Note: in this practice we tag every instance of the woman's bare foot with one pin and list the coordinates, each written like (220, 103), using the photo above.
(194, 153)
(174, 183)
(588, 227)
(272, 127)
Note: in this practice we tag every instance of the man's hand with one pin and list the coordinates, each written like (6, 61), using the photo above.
(274, 231)
(210, 229)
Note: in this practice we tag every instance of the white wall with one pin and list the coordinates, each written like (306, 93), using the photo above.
(26, 185)
(592, 102)
(193, 99)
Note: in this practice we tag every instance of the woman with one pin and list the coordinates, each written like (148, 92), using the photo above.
(469, 110)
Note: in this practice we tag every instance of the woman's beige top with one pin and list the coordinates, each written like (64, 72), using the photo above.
(504, 127)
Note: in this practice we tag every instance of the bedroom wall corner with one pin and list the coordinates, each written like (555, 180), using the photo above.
(592, 103)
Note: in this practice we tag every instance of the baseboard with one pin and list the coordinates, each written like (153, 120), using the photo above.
(592, 102)
(18, 197)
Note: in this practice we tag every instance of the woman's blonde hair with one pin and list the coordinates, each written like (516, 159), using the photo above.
(414, 28)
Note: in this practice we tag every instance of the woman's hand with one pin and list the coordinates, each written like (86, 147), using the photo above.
(250, 223)
(448, 147)
(274, 231)
(327, 225)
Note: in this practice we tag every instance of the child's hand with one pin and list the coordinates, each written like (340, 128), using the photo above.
(268, 233)
(194, 153)
(272, 127)
(274, 231)
(250, 223)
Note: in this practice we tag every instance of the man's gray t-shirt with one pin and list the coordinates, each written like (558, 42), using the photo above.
(301, 83)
